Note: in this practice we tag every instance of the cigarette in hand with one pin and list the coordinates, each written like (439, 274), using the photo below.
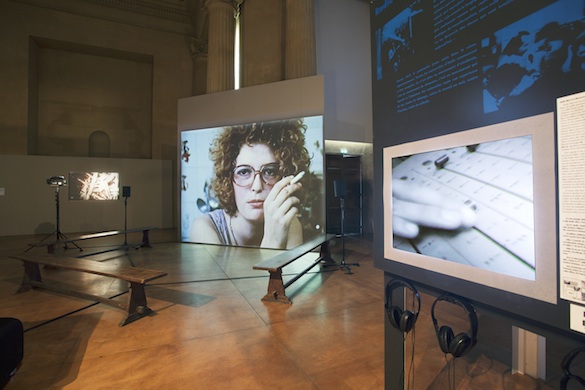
(297, 178)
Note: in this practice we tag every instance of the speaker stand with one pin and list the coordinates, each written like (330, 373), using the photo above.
(125, 245)
(344, 266)
(126, 221)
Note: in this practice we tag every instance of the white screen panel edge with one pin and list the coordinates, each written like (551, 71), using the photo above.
(285, 99)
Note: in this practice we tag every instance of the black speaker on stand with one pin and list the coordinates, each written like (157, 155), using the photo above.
(126, 195)
(340, 190)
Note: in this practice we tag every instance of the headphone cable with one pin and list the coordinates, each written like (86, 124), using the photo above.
(450, 372)
(409, 377)
(411, 368)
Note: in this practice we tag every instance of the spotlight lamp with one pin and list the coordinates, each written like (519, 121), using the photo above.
(57, 181)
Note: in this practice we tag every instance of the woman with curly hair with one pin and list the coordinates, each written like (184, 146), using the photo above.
(254, 165)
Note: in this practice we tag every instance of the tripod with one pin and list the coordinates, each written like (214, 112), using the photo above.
(57, 233)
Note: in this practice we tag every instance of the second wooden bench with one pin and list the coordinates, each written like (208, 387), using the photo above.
(274, 266)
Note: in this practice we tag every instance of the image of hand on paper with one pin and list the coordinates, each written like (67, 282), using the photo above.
(413, 208)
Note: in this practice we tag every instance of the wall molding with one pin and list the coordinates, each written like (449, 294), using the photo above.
(186, 13)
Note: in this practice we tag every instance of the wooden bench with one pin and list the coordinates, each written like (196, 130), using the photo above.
(136, 277)
(274, 265)
(68, 240)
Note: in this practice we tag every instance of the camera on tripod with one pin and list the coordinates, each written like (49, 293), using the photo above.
(57, 181)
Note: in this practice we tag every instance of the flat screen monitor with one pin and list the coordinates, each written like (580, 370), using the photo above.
(477, 205)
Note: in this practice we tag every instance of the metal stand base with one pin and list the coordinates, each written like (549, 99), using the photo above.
(343, 265)
(57, 233)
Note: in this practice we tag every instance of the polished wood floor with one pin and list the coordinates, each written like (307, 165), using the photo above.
(209, 329)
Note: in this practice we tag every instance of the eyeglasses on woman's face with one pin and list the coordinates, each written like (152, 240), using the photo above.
(244, 175)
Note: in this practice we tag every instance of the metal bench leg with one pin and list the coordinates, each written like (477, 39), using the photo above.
(31, 273)
(137, 307)
(145, 239)
(325, 254)
(276, 288)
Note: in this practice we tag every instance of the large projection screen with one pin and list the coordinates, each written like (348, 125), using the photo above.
(200, 200)
(201, 118)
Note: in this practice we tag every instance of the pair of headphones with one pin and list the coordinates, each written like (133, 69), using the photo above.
(566, 366)
(402, 320)
(457, 345)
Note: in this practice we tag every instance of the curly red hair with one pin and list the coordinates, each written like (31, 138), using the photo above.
(286, 139)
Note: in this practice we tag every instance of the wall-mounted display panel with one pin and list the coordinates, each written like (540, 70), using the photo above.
(477, 205)
(448, 66)
(571, 138)
(458, 77)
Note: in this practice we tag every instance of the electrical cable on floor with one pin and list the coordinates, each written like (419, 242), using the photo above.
(161, 284)
(236, 278)
(156, 285)
(72, 312)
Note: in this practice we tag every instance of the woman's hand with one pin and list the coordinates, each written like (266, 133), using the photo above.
(280, 215)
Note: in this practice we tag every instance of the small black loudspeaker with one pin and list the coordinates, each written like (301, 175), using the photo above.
(126, 192)
(339, 188)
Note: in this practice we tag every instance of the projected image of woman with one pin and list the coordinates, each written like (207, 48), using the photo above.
(254, 165)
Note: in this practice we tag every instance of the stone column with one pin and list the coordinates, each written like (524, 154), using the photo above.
(220, 52)
(262, 50)
(199, 55)
(300, 57)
